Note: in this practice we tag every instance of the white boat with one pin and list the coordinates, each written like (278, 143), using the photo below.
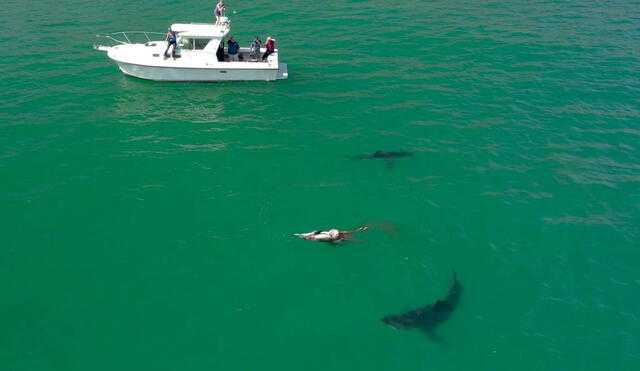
(138, 55)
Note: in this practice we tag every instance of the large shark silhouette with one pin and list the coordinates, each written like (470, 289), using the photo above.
(428, 317)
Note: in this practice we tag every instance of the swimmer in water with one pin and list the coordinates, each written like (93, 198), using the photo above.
(332, 235)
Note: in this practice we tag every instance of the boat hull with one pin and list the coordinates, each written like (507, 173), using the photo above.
(211, 74)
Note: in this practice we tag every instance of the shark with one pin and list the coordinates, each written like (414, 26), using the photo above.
(429, 317)
(388, 156)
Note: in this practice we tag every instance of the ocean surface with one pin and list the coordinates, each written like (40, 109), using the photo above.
(149, 225)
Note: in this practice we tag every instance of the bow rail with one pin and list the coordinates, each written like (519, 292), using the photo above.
(105, 41)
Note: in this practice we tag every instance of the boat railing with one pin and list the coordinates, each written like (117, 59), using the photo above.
(105, 41)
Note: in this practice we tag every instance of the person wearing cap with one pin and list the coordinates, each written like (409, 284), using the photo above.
(270, 45)
(220, 7)
(233, 49)
(255, 46)
(171, 39)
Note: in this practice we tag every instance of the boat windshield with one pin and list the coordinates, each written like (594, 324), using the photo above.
(193, 43)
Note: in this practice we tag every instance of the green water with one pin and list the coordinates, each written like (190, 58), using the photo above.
(148, 226)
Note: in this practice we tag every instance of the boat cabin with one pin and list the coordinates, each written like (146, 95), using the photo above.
(200, 38)
(195, 38)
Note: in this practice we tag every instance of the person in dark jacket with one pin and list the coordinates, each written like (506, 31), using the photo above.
(233, 49)
(220, 52)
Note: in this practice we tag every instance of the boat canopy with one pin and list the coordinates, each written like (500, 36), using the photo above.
(201, 29)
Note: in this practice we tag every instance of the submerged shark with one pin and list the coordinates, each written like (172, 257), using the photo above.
(389, 156)
(428, 317)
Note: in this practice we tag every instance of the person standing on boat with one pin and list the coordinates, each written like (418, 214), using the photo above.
(256, 44)
(270, 46)
(220, 7)
(172, 39)
(220, 52)
(233, 49)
